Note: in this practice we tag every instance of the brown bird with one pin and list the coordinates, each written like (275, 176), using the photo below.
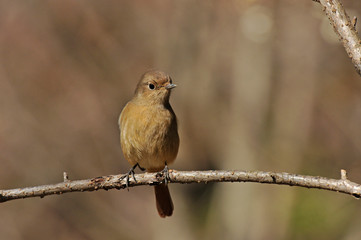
(149, 133)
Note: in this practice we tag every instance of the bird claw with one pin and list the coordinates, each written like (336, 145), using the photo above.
(165, 172)
(131, 172)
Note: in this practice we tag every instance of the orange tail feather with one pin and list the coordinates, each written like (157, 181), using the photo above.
(163, 200)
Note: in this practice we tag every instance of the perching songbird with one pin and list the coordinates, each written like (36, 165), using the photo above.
(149, 133)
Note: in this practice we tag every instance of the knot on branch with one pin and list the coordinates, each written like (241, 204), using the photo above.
(274, 177)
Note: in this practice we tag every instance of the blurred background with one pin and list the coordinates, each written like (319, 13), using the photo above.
(262, 85)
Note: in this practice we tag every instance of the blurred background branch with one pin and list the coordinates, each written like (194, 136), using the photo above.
(345, 29)
(342, 185)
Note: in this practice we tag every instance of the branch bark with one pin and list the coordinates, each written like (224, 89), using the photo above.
(342, 185)
(345, 29)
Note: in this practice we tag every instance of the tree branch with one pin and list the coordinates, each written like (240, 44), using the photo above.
(342, 185)
(345, 29)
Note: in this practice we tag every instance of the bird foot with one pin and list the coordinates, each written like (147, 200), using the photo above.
(130, 173)
(165, 173)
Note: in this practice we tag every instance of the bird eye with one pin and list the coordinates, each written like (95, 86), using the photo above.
(151, 86)
(170, 80)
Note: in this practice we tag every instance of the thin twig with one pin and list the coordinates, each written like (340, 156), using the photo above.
(65, 177)
(354, 22)
(342, 185)
(345, 29)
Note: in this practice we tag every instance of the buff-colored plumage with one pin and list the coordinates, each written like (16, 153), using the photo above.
(148, 131)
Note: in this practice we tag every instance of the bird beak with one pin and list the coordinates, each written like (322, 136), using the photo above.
(170, 86)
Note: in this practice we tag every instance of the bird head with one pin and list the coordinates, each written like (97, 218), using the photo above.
(154, 87)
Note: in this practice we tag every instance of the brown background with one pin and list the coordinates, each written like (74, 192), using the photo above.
(262, 85)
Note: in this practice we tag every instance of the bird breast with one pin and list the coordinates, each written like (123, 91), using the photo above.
(149, 135)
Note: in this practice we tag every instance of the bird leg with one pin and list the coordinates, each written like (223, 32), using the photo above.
(165, 172)
(143, 169)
